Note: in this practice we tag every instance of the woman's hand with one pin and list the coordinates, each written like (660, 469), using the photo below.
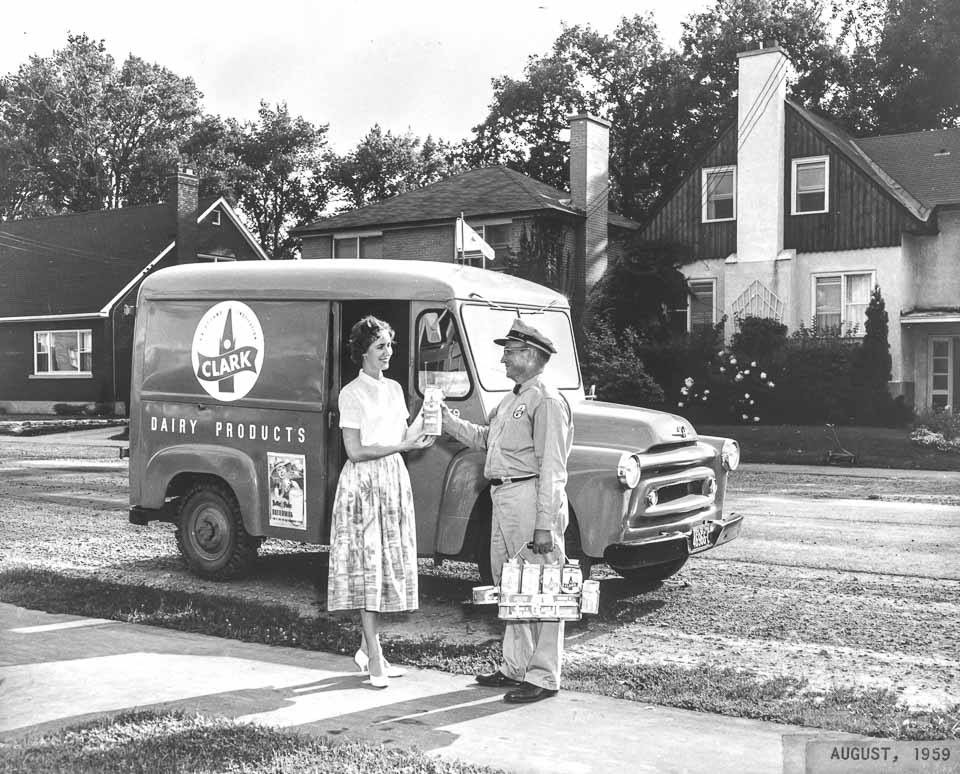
(419, 442)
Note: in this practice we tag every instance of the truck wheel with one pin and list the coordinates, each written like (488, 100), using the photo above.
(210, 533)
(653, 573)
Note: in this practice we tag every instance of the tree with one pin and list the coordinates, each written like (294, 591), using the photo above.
(712, 39)
(904, 70)
(522, 129)
(278, 174)
(872, 364)
(385, 164)
(641, 289)
(77, 133)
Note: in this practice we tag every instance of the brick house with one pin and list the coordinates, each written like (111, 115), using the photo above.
(786, 216)
(69, 285)
(505, 207)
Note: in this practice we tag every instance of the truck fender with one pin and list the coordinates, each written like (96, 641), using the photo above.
(595, 495)
(232, 466)
(461, 487)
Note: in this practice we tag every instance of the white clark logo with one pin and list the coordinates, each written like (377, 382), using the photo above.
(227, 350)
(520, 410)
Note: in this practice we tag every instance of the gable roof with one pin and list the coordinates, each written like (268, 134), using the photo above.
(487, 191)
(81, 263)
(853, 150)
(925, 163)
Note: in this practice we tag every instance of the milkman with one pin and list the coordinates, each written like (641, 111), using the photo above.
(527, 442)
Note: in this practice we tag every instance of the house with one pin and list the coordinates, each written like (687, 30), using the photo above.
(785, 216)
(505, 207)
(68, 289)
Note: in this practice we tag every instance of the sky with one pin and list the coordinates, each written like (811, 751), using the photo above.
(420, 65)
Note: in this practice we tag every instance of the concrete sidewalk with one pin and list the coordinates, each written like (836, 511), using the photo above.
(57, 670)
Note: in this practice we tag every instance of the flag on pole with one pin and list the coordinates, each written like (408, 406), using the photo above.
(469, 241)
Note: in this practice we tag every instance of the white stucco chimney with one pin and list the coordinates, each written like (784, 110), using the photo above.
(761, 118)
(590, 190)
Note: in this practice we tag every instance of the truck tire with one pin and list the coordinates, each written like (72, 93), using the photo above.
(210, 533)
(653, 573)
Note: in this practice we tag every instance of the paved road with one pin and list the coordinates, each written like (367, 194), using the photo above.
(892, 538)
(48, 664)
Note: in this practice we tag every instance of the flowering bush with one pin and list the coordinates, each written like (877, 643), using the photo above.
(735, 387)
(938, 430)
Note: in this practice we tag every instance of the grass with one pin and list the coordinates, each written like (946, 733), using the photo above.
(703, 688)
(175, 742)
(874, 447)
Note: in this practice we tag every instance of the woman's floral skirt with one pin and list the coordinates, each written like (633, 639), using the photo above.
(373, 538)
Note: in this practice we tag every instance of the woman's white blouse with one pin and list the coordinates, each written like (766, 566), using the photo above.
(375, 407)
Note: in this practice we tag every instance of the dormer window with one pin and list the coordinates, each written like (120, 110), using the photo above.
(215, 218)
(811, 185)
(718, 197)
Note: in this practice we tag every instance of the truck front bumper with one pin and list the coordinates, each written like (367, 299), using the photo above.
(693, 536)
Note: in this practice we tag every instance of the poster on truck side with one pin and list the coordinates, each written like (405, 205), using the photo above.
(287, 490)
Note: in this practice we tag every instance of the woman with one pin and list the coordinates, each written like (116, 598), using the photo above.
(373, 548)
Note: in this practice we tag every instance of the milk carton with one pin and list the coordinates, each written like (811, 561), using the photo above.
(530, 582)
(432, 417)
(550, 579)
(571, 577)
(510, 577)
(590, 597)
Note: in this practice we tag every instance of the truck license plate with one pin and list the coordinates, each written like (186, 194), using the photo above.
(700, 537)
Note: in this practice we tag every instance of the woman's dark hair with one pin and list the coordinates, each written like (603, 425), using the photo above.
(363, 333)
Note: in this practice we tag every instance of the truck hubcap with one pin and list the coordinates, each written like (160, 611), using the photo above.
(211, 530)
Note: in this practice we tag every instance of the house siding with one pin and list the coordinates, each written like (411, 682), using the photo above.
(679, 219)
(861, 215)
(432, 243)
(23, 392)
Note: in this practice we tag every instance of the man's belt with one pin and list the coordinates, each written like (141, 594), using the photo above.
(512, 479)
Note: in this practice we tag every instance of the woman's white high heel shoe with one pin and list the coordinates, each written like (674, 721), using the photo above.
(362, 660)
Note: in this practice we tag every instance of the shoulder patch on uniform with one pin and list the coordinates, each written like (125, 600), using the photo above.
(519, 411)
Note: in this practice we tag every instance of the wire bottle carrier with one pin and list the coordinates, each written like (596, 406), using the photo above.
(530, 591)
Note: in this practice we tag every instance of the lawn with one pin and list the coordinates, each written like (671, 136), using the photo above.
(874, 447)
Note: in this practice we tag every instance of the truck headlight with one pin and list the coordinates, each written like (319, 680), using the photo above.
(628, 470)
(730, 454)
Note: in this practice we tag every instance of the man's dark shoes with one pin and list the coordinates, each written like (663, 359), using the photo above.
(528, 692)
(497, 680)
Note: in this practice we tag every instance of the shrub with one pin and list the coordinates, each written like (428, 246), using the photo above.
(613, 362)
(760, 338)
(733, 389)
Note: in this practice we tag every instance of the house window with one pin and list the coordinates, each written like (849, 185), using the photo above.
(61, 353)
(345, 248)
(368, 245)
(841, 301)
(811, 178)
(941, 373)
(497, 235)
(215, 218)
(719, 194)
(701, 308)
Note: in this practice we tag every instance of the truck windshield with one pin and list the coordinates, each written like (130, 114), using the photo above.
(483, 324)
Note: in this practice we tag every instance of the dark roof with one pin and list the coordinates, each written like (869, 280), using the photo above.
(480, 192)
(925, 163)
(78, 263)
(75, 264)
